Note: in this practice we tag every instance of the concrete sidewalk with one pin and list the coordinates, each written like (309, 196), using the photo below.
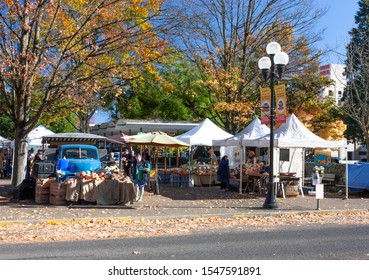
(175, 203)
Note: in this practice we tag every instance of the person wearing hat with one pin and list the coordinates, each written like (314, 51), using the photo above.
(30, 157)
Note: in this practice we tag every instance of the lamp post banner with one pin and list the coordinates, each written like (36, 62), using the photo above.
(265, 105)
(280, 95)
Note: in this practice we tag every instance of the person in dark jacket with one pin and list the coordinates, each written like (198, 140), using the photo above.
(127, 163)
(223, 173)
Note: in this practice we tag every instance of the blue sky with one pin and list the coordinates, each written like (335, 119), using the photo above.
(339, 19)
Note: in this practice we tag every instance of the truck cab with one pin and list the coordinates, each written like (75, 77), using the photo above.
(75, 158)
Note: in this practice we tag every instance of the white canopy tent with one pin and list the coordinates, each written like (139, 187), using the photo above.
(4, 142)
(293, 134)
(203, 135)
(254, 130)
(34, 138)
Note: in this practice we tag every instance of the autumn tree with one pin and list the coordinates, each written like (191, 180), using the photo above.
(356, 99)
(55, 52)
(225, 39)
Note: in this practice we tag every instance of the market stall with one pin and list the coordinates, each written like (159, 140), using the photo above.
(157, 138)
(203, 135)
(291, 138)
(91, 189)
(254, 130)
(101, 191)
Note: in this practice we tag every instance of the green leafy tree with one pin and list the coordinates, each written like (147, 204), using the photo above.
(356, 99)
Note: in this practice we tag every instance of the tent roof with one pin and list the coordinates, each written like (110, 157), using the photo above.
(38, 133)
(156, 138)
(4, 142)
(293, 134)
(203, 134)
(61, 138)
(34, 138)
(254, 130)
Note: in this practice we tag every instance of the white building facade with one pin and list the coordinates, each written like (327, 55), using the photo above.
(334, 72)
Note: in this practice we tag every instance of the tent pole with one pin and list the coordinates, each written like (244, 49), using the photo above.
(120, 156)
(211, 165)
(165, 158)
(303, 172)
(240, 187)
(303, 167)
(177, 157)
(156, 174)
(347, 174)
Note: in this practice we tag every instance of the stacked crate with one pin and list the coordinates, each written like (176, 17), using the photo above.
(164, 177)
(57, 193)
(175, 180)
(178, 180)
(42, 192)
(185, 180)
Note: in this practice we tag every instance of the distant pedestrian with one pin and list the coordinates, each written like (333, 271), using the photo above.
(127, 163)
(223, 173)
(2, 159)
(39, 156)
(146, 155)
(30, 157)
(141, 173)
(111, 160)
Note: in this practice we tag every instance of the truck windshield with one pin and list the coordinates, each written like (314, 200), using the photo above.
(77, 153)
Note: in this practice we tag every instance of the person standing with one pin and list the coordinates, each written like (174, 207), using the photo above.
(223, 173)
(141, 173)
(39, 156)
(2, 159)
(111, 160)
(127, 163)
(30, 157)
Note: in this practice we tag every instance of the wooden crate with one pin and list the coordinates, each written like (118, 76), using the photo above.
(42, 191)
(42, 198)
(291, 189)
(57, 193)
(57, 200)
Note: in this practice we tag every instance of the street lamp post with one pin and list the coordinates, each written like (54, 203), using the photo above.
(272, 68)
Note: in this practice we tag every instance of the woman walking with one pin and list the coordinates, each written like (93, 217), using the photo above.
(140, 174)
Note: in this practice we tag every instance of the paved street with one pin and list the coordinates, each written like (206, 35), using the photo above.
(305, 242)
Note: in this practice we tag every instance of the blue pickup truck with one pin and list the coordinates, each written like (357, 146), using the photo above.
(77, 158)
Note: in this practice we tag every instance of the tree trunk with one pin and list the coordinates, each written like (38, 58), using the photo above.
(84, 124)
(19, 161)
